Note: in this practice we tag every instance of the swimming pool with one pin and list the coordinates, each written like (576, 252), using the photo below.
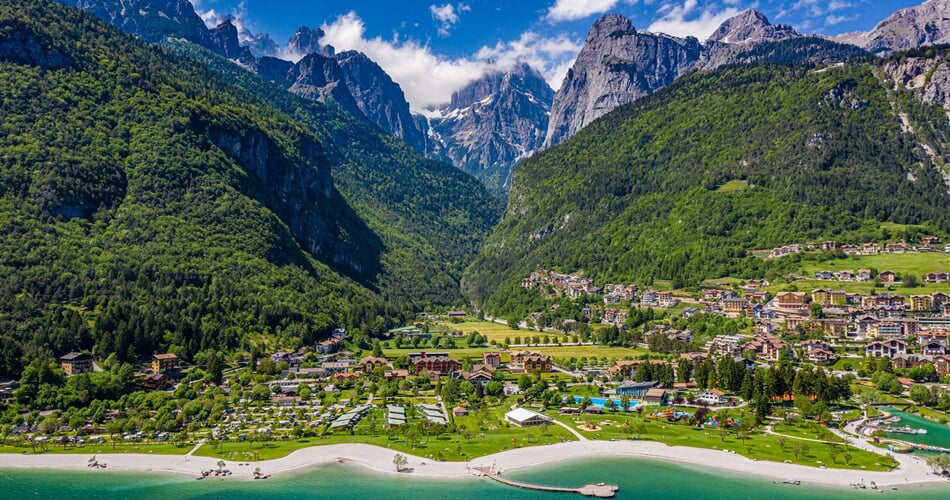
(603, 401)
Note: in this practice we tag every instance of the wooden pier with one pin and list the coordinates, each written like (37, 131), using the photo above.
(599, 490)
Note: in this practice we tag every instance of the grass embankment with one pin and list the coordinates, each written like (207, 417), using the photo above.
(756, 445)
(98, 449)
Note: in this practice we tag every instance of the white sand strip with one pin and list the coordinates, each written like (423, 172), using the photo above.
(912, 470)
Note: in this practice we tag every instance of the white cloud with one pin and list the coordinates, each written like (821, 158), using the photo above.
(551, 56)
(448, 16)
(572, 10)
(833, 20)
(238, 17)
(429, 79)
(686, 20)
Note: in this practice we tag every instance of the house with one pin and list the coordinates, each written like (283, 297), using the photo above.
(633, 390)
(628, 367)
(164, 362)
(436, 362)
(689, 312)
(328, 346)
(767, 347)
(75, 363)
(821, 356)
(395, 374)
(155, 381)
(459, 411)
(824, 275)
(938, 277)
(811, 345)
(711, 397)
(791, 300)
(371, 363)
(897, 247)
(480, 374)
(907, 361)
(526, 418)
(942, 365)
(665, 299)
(492, 359)
(885, 348)
(870, 249)
(863, 275)
(656, 395)
(887, 277)
(920, 302)
(734, 305)
(530, 361)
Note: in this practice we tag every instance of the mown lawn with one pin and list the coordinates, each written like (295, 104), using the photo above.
(98, 449)
(757, 445)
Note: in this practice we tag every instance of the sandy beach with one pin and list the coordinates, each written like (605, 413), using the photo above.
(911, 471)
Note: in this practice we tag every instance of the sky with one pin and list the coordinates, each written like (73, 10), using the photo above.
(432, 48)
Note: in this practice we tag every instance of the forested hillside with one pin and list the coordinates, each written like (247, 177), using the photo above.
(683, 184)
(431, 217)
(146, 205)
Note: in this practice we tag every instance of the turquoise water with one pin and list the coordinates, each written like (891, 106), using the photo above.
(603, 401)
(637, 478)
(937, 434)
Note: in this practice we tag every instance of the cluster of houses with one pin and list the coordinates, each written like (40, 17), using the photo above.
(927, 244)
(156, 377)
(575, 286)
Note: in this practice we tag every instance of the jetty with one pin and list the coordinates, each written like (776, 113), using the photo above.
(599, 490)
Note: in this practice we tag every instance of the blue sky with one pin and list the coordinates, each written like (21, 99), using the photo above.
(432, 48)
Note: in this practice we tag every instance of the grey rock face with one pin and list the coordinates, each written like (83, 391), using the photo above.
(379, 98)
(925, 24)
(225, 37)
(307, 41)
(616, 66)
(495, 122)
(752, 26)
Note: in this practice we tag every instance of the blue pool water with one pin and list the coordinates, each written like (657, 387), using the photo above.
(603, 401)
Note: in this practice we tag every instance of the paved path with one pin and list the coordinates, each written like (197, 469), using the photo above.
(570, 429)
(193, 450)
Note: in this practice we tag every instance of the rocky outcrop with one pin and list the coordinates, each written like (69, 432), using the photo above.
(616, 66)
(300, 191)
(619, 65)
(225, 37)
(751, 26)
(307, 41)
(925, 24)
(21, 45)
(314, 77)
(495, 122)
(928, 78)
(379, 98)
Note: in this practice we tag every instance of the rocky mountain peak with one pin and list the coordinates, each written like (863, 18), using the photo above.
(924, 24)
(307, 41)
(225, 38)
(611, 25)
(380, 99)
(751, 26)
(616, 66)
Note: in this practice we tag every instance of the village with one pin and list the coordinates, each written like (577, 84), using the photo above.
(720, 366)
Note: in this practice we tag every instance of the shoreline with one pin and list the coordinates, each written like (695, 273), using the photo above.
(911, 472)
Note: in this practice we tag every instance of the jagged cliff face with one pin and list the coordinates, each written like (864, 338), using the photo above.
(616, 66)
(156, 20)
(495, 122)
(307, 41)
(925, 24)
(315, 77)
(379, 97)
(751, 26)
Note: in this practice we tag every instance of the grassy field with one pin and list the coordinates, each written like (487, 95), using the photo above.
(913, 263)
(733, 186)
(98, 449)
(757, 445)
